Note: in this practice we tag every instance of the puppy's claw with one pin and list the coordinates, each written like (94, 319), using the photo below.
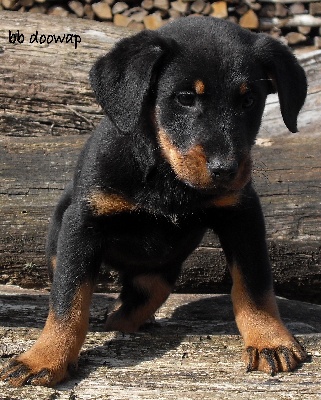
(274, 360)
(16, 373)
(252, 357)
(268, 361)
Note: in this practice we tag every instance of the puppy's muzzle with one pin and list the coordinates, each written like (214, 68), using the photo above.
(223, 172)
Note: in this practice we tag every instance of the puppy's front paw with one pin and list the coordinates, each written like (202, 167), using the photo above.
(34, 369)
(275, 359)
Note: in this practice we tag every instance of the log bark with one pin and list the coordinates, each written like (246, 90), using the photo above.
(47, 113)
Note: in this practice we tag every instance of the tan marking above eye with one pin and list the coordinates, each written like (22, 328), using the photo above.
(199, 87)
(191, 167)
(104, 203)
(243, 88)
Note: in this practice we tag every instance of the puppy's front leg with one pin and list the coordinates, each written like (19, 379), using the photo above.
(56, 351)
(269, 346)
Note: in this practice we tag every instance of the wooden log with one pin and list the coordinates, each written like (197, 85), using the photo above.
(136, 14)
(192, 352)
(317, 42)
(315, 8)
(153, 21)
(148, 4)
(89, 12)
(10, 4)
(27, 3)
(198, 6)
(305, 30)
(180, 6)
(290, 1)
(45, 119)
(119, 7)
(295, 38)
(297, 9)
(102, 10)
(242, 9)
(121, 20)
(207, 9)
(249, 20)
(77, 7)
(57, 11)
(72, 99)
(281, 10)
(268, 11)
(162, 4)
(219, 9)
(293, 22)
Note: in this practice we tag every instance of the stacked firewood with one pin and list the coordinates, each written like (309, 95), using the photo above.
(295, 21)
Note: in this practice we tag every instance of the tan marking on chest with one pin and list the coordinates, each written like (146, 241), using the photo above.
(229, 200)
(104, 204)
(191, 166)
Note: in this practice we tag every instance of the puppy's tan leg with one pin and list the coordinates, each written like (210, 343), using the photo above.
(269, 346)
(56, 351)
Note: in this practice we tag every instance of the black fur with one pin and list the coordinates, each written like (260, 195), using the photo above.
(145, 85)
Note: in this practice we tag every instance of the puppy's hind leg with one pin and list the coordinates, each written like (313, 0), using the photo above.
(140, 298)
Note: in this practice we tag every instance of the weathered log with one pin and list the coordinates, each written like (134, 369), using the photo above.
(291, 1)
(295, 38)
(249, 20)
(47, 112)
(291, 22)
(219, 9)
(192, 352)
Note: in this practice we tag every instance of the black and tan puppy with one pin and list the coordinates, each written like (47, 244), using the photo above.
(171, 158)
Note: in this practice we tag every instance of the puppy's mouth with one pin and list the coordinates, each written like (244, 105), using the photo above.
(213, 178)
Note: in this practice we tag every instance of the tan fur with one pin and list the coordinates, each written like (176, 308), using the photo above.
(261, 326)
(243, 175)
(105, 204)
(53, 262)
(229, 200)
(243, 88)
(157, 290)
(199, 87)
(191, 167)
(59, 343)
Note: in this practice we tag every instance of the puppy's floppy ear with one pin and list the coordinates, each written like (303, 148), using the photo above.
(121, 79)
(287, 75)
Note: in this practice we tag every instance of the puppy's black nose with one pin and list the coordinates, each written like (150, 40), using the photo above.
(223, 171)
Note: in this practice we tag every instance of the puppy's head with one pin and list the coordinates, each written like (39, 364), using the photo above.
(206, 81)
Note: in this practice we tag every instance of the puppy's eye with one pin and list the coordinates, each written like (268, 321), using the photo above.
(248, 100)
(186, 99)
